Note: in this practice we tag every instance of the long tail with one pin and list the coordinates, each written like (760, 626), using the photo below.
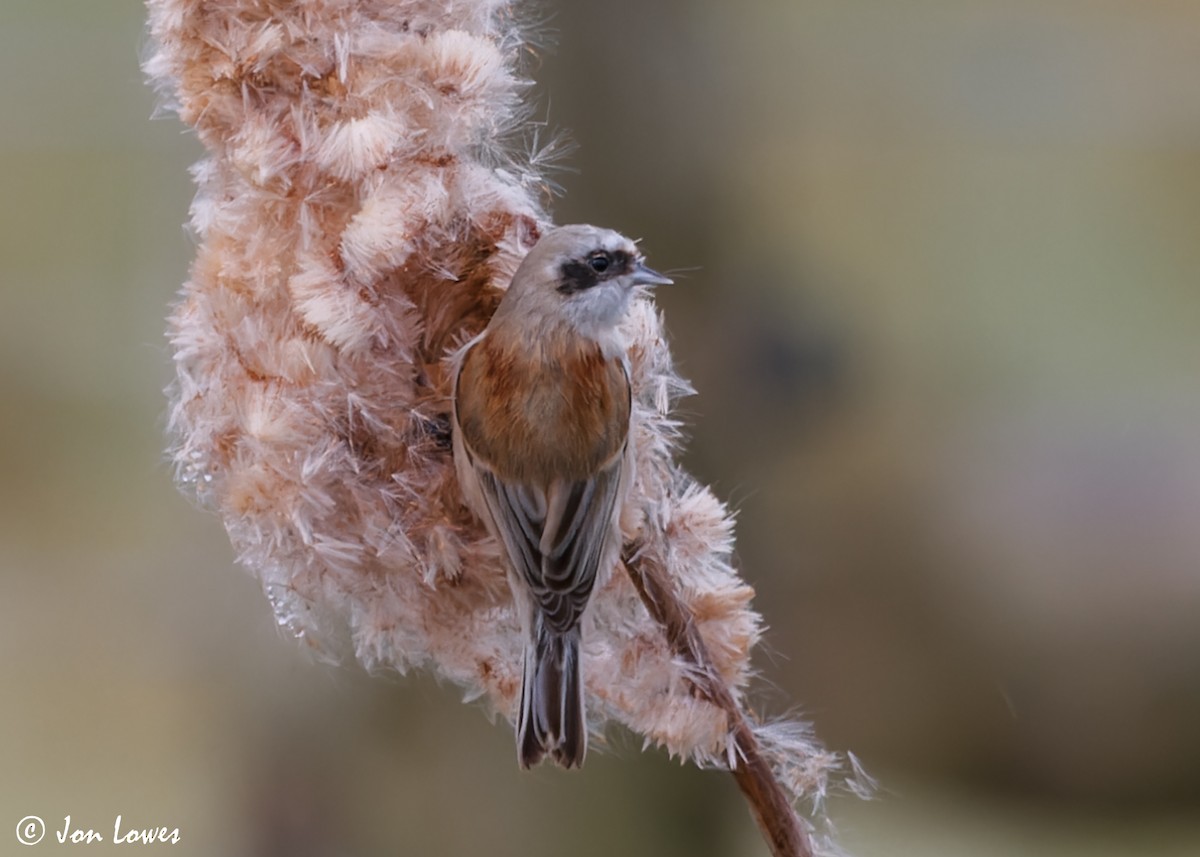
(552, 714)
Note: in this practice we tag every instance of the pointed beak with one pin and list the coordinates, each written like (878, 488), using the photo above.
(643, 276)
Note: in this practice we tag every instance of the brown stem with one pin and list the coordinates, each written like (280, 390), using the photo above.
(769, 801)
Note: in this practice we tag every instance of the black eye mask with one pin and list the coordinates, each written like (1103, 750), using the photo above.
(577, 275)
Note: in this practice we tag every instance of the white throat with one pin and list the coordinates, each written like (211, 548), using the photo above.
(597, 312)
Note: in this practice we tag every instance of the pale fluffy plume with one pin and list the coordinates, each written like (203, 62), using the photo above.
(354, 229)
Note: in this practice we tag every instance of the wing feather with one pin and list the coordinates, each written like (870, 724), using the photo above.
(556, 537)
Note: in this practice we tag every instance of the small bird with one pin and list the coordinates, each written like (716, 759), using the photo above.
(541, 439)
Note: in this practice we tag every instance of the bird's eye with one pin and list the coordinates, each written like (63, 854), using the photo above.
(599, 262)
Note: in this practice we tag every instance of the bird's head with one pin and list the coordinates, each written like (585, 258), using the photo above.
(582, 275)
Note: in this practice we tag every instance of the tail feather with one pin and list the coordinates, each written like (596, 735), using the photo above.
(552, 713)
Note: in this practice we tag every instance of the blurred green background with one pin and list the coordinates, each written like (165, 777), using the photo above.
(945, 325)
